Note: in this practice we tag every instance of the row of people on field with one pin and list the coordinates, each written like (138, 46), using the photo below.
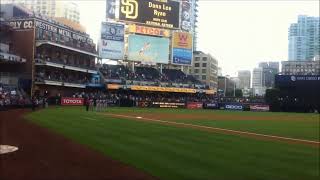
(96, 104)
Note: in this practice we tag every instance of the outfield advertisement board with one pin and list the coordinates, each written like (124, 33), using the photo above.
(182, 48)
(147, 49)
(232, 106)
(264, 108)
(167, 104)
(157, 13)
(156, 104)
(111, 45)
(211, 106)
(194, 105)
(67, 101)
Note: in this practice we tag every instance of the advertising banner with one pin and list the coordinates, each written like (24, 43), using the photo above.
(210, 91)
(167, 105)
(163, 89)
(50, 29)
(194, 105)
(211, 105)
(148, 30)
(182, 48)
(111, 9)
(66, 101)
(111, 45)
(157, 13)
(22, 24)
(182, 40)
(147, 49)
(143, 104)
(238, 107)
(186, 14)
(264, 108)
(113, 86)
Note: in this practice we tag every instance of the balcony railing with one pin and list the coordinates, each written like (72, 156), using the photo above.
(57, 82)
(60, 64)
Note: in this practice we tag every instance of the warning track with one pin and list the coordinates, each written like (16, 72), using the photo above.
(221, 130)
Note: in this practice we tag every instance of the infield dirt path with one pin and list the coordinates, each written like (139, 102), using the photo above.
(44, 155)
(161, 118)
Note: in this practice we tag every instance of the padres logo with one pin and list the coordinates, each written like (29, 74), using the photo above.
(129, 8)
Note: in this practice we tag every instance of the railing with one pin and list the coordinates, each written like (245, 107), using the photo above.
(11, 58)
(41, 61)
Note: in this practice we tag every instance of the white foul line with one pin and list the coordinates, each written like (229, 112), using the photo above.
(88, 118)
(221, 129)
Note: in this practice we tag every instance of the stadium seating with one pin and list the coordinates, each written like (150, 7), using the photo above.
(150, 76)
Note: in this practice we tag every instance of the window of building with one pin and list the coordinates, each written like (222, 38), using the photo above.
(204, 64)
(196, 71)
(197, 59)
(204, 59)
(204, 71)
(204, 77)
(197, 65)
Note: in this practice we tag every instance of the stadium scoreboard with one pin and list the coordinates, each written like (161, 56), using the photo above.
(157, 13)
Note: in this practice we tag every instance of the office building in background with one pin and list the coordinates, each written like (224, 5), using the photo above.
(300, 67)
(257, 82)
(304, 39)
(244, 77)
(51, 8)
(269, 71)
(205, 69)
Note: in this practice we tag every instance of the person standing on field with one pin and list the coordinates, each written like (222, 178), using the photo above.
(87, 103)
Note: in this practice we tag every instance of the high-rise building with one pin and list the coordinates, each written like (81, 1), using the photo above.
(51, 8)
(205, 69)
(194, 23)
(301, 67)
(304, 39)
(257, 83)
(269, 71)
(244, 77)
(226, 86)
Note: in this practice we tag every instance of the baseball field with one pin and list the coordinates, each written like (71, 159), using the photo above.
(194, 144)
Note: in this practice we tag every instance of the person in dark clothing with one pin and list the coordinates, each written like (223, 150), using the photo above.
(87, 101)
(43, 102)
(94, 103)
(33, 104)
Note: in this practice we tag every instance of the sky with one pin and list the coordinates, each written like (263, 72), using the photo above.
(238, 33)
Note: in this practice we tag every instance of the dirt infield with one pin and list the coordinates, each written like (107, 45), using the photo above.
(46, 155)
(217, 130)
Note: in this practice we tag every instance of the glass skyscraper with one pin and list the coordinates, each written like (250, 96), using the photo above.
(304, 39)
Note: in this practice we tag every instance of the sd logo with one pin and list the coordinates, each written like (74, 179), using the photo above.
(129, 8)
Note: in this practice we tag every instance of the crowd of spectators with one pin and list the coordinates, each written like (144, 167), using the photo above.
(57, 75)
(12, 97)
(115, 97)
(148, 74)
(65, 59)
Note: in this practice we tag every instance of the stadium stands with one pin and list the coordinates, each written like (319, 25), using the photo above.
(151, 76)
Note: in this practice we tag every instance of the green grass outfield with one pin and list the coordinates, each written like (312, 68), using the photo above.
(176, 153)
(304, 126)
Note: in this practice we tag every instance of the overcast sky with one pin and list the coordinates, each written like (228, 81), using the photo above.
(238, 33)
